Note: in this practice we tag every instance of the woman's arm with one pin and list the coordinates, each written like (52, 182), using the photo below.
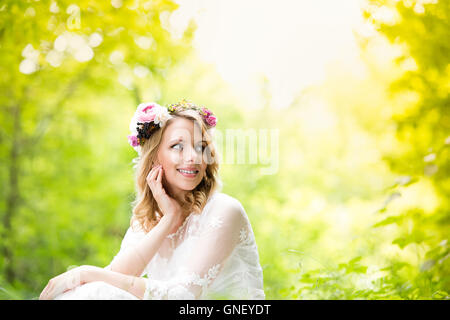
(122, 269)
(84, 274)
(134, 260)
(132, 284)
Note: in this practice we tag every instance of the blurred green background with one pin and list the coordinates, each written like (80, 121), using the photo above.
(358, 209)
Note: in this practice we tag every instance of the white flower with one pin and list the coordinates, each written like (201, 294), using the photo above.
(133, 124)
(162, 115)
(148, 112)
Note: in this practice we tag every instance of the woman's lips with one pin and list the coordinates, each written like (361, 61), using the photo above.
(188, 175)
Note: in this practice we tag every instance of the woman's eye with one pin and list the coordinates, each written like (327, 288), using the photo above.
(201, 148)
(178, 145)
(198, 148)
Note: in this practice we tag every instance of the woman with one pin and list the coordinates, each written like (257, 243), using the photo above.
(186, 240)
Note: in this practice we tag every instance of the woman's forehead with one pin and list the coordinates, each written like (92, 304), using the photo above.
(183, 129)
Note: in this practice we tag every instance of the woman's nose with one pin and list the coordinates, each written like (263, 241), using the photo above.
(191, 155)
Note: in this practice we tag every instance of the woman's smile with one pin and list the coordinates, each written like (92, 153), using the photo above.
(188, 173)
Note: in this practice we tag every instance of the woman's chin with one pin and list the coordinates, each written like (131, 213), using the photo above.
(188, 186)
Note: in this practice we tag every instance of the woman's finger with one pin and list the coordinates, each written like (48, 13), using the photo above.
(46, 291)
(49, 295)
(159, 186)
(152, 170)
(156, 183)
(151, 180)
(51, 287)
(159, 177)
(155, 171)
(154, 187)
(42, 295)
(151, 176)
(155, 175)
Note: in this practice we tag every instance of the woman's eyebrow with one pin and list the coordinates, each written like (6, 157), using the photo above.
(176, 140)
(181, 139)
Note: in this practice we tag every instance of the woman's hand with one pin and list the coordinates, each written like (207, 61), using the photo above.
(65, 282)
(169, 206)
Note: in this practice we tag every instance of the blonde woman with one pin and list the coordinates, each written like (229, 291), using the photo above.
(187, 239)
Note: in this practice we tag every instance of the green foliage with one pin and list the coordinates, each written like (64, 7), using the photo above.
(358, 208)
(426, 128)
(401, 251)
(71, 77)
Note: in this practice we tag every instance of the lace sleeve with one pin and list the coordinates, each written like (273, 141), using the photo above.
(215, 240)
(130, 240)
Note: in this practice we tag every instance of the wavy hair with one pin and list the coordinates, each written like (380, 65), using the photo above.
(145, 206)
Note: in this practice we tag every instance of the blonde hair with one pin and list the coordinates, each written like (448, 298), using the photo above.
(145, 205)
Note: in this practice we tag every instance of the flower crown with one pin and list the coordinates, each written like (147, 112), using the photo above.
(150, 116)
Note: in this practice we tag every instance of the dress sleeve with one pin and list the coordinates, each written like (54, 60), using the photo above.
(130, 240)
(214, 241)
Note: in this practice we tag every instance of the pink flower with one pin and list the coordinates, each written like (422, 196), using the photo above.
(211, 120)
(147, 108)
(146, 111)
(146, 116)
(133, 141)
(208, 113)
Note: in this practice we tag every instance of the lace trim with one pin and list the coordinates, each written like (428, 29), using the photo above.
(154, 290)
(157, 266)
(215, 223)
(193, 228)
(194, 278)
(180, 228)
(180, 293)
(177, 288)
(245, 237)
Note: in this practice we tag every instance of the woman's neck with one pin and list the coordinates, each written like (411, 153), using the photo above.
(177, 195)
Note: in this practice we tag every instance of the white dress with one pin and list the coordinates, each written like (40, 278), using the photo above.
(212, 255)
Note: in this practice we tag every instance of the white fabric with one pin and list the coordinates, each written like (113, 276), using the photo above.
(212, 255)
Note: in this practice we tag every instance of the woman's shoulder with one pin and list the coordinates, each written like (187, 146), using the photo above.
(222, 202)
(221, 198)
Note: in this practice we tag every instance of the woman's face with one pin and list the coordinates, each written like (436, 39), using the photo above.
(181, 155)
